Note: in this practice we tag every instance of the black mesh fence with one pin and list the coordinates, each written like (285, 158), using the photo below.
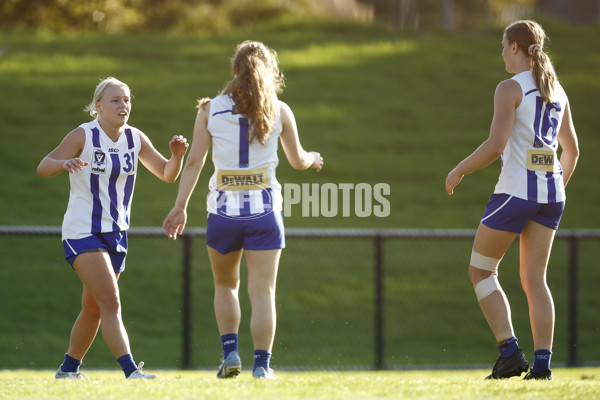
(345, 299)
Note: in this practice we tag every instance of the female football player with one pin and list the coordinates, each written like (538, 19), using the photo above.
(532, 117)
(243, 124)
(101, 157)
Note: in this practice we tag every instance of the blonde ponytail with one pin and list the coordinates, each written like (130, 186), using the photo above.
(544, 75)
(530, 37)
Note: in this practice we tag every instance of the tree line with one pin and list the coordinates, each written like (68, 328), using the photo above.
(214, 16)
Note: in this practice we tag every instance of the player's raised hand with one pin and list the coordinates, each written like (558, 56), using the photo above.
(178, 145)
(317, 161)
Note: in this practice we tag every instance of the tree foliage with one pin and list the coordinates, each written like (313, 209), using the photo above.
(430, 14)
(115, 16)
(447, 14)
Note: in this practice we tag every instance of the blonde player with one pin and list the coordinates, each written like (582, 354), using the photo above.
(532, 118)
(101, 157)
(243, 125)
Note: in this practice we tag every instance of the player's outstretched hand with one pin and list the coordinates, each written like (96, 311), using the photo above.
(74, 165)
(178, 145)
(175, 222)
(317, 162)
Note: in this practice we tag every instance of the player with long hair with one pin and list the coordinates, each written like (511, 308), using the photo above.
(101, 157)
(243, 124)
(532, 117)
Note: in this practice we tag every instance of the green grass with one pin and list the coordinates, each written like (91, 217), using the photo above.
(380, 106)
(576, 384)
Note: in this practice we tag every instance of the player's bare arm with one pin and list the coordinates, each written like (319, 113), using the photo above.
(175, 222)
(65, 156)
(298, 157)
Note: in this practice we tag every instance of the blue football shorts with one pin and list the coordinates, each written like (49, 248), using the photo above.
(509, 213)
(226, 234)
(114, 243)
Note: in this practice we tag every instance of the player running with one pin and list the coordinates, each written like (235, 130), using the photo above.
(531, 118)
(243, 124)
(102, 159)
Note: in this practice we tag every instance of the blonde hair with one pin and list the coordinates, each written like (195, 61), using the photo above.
(530, 37)
(257, 82)
(99, 92)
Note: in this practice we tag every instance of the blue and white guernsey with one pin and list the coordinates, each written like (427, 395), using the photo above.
(530, 166)
(100, 197)
(244, 182)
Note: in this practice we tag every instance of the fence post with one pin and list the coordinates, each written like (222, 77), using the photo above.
(379, 300)
(573, 306)
(186, 303)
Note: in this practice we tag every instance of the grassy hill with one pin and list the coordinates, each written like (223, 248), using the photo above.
(380, 106)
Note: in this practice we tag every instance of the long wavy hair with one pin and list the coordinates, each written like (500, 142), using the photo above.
(530, 37)
(257, 82)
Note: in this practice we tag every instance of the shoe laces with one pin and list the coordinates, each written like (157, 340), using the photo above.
(140, 367)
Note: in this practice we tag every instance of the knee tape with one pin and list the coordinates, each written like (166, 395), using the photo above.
(484, 262)
(487, 286)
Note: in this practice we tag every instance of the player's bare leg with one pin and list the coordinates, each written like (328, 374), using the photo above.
(96, 273)
(489, 247)
(262, 278)
(495, 307)
(226, 274)
(85, 327)
(536, 243)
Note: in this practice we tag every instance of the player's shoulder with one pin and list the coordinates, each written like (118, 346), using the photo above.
(80, 130)
(77, 133)
(508, 85)
(136, 135)
(223, 100)
(204, 107)
(282, 103)
(508, 90)
(285, 110)
(135, 132)
(86, 127)
(204, 104)
(560, 91)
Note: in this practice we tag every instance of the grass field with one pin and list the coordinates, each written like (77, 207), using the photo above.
(569, 384)
(380, 106)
